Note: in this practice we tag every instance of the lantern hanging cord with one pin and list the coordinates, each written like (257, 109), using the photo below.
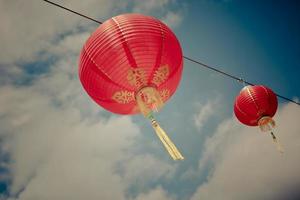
(72, 11)
(234, 77)
(185, 57)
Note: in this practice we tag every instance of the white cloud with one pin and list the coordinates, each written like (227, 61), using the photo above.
(57, 154)
(173, 19)
(149, 6)
(205, 112)
(10, 73)
(157, 194)
(143, 169)
(246, 165)
(161, 8)
(29, 27)
(30, 31)
(77, 165)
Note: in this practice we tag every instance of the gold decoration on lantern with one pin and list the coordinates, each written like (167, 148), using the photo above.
(136, 77)
(164, 94)
(161, 74)
(123, 96)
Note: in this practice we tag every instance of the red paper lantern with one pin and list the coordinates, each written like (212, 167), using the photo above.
(255, 106)
(255, 103)
(125, 54)
(132, 64)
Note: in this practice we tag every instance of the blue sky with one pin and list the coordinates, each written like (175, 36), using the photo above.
(58, 144)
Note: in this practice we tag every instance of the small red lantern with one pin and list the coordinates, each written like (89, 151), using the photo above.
(255, 106)
(132, 64)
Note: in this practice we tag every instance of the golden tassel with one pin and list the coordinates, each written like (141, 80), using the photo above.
(265, 124)
(148, 100)
(169, 145)
(276, 142)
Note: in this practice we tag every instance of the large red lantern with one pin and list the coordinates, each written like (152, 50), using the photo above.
(132, 64)
(255, 106)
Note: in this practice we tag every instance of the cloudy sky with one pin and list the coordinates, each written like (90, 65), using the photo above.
(56, 143)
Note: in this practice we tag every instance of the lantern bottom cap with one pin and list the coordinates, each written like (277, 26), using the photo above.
(149, 100)
(266, 123)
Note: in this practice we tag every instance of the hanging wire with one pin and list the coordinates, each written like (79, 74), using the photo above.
(72, 11)
(185, 57)
(234, 77)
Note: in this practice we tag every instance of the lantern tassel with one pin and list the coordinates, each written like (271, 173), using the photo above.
(169, 145)
(277, 143)
(266, 123)
(149, 100)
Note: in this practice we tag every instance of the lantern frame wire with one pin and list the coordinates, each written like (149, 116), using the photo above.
(185, 57)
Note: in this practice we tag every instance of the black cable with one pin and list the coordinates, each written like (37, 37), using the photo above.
(185, 57)
(219, 71)
(77, 13)
(234, 77)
